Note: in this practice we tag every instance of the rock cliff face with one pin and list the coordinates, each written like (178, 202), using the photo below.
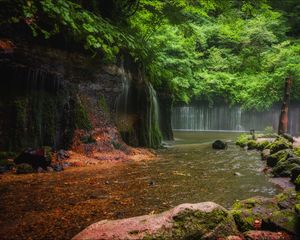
(61, 99)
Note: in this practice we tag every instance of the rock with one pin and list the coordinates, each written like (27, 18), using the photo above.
(285, 220)
(257, 208)
(40, 170)
(24, 168)
(286, 199)
(235, 238)
(57, 168)
(6, 165)
(3, 169)
(297, 183)
(237, 174)
(252, 145)
(282, 155)
(36, 158)
(265, 154)
(50, 169)
(295, 172)
(62, 155)
(267, 235)
(279, 144)
(218, 144)
(283, 169)
(187, 221)
(288, 137)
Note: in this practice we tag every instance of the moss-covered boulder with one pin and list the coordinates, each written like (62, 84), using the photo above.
(279, 144)
(243, 140)
(282, 155)
(257, 208)
(295, 172)
(284, 168)
(187, 221)
(285, 220)
(297, 183)
(286, 199)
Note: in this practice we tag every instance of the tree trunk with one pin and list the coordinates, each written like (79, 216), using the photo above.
(284, 115)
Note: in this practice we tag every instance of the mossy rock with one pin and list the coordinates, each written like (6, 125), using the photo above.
(205, 220)
(297, 183)
(284, 220)
(262, 145)
(282, 155)
(279, 144)
(286, 199)
(283, 169)
(247, 211)
(295, 172)
(252, 144)
(24, 168)
(243, 140)
(297, 151)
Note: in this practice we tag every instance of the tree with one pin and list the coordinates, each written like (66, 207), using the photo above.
(284, 117)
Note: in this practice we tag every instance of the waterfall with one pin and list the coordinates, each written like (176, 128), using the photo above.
(137, 112)
(201, 117)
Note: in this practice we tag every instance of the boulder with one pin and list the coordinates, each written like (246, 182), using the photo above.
(206, 220)
(279, 144)
(295, 172)
(257, 208)
(297, 183)
(286, 199)
(282, 155)
(285, 220)
(41, 157)
(267, 235)
(218, 144)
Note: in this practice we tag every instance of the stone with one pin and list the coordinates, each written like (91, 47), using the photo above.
(206, 220)
(267, 235)
(286, 199)
(36, 158)
(24, 168)
(245, 212)
(57, 168)
(62, 155)
(279, 144)
(295, 172)
(40, 170)
(274, 158)
(50, 169)
(297, 183)
(265, 154)
(218, 144)
(285, 220)
(283, 169)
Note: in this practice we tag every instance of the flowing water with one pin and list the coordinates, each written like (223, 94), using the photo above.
(191, 171)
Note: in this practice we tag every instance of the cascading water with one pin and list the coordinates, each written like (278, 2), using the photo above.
(137, 112)
(201, 117)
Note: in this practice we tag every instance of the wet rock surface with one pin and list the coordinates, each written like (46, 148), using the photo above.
(220, 145)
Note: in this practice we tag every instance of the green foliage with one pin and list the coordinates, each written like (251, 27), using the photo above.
(240, 51)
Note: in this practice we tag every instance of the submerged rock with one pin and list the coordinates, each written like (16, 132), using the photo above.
(206, 220)
(218, 144)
